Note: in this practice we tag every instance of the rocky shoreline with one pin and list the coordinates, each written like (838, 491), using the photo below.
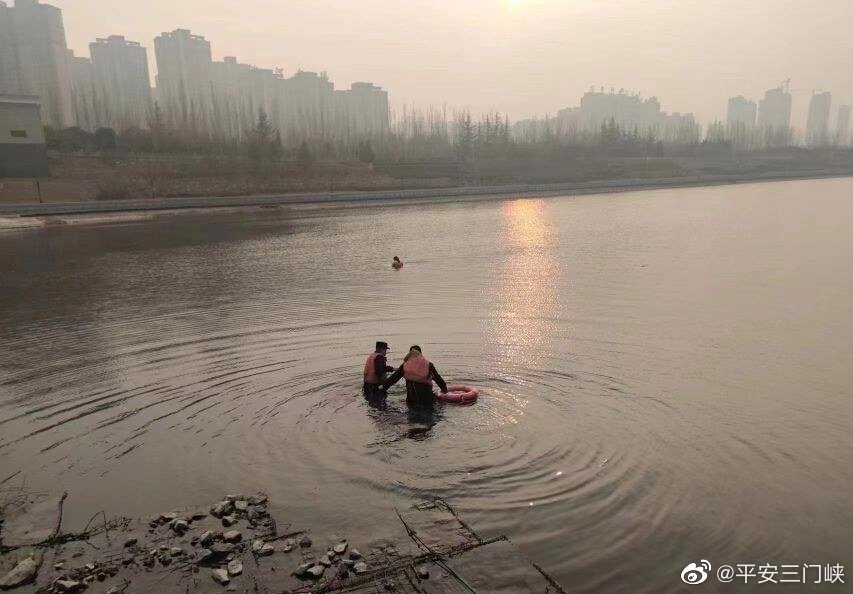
(235, 545)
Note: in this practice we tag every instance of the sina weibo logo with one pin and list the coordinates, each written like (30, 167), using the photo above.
(696, 573)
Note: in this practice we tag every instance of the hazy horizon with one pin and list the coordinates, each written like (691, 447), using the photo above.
(522, 57)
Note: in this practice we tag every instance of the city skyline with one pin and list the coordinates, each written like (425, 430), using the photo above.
(515, 57)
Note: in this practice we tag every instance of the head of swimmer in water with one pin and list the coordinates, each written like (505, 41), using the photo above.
(396, 259)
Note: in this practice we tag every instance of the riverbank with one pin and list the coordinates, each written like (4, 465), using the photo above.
(29, 215)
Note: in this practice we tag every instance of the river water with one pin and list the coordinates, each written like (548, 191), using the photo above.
(666, 376)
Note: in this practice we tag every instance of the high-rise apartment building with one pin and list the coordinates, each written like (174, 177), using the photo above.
(842, 127)
(309, 99)
(34, 58)
(631, 113)
(185, 80)
(362, 110)
(741, 112)
(774, 117)
(234, 110)
(120, 73)
(774, 111)
(85, 93)
(8, 53)
(817, 125)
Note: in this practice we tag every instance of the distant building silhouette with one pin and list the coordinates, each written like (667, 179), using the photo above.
(184, 79)
(842, 128)
(362, 109)
(741, 112)
(8, 52)
(85, 93)
(120, 74)
(223, 99)
(774, 116)
(631, 113)
(34, 58)
(817, 125)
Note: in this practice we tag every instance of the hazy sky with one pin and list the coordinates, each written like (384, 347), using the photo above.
(524, 57)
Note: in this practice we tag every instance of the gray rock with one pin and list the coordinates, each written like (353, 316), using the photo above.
(317, 571)
(204, 555)
(257, 545)
(222, 508)
(232, 536)
(180, 526)
(199, 515)
(423, 572)
(89, 567)
(360, 568)
(354, 554)
(305, 542)
(220, 576)
(341, 548)
(114, 590)
(58, 566)
(302, 569)
(23, 573)
(67, 585)
(258, 499)
(266, 550)
(228, 521)
(176, 551)
(207, 538)
(349, 563)
(241, 505)
(233, 498)
(287, 548)
(165, 518)
(222, 548)
(235, 568)
(131, 541)
(324, 560)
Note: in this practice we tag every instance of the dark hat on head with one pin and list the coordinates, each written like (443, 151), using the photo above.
(415, 347)
(381, 345)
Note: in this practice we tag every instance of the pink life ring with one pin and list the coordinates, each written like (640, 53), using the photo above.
(459, 395)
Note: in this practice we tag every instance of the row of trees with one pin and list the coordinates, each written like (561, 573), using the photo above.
(413, 135)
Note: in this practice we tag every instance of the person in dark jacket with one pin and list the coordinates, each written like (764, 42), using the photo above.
(419, 374)
(375, 369)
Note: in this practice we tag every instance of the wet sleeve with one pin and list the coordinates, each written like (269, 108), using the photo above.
(395, 377)
(437, 378)
(380, 366)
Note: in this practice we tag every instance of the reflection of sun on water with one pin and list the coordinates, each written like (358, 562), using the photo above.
(526, 290)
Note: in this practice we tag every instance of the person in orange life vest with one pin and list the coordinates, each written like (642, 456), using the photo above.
(419, 374)
(375, 369)
(396, 264)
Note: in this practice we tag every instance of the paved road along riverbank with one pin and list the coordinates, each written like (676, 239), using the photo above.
(476, 193)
